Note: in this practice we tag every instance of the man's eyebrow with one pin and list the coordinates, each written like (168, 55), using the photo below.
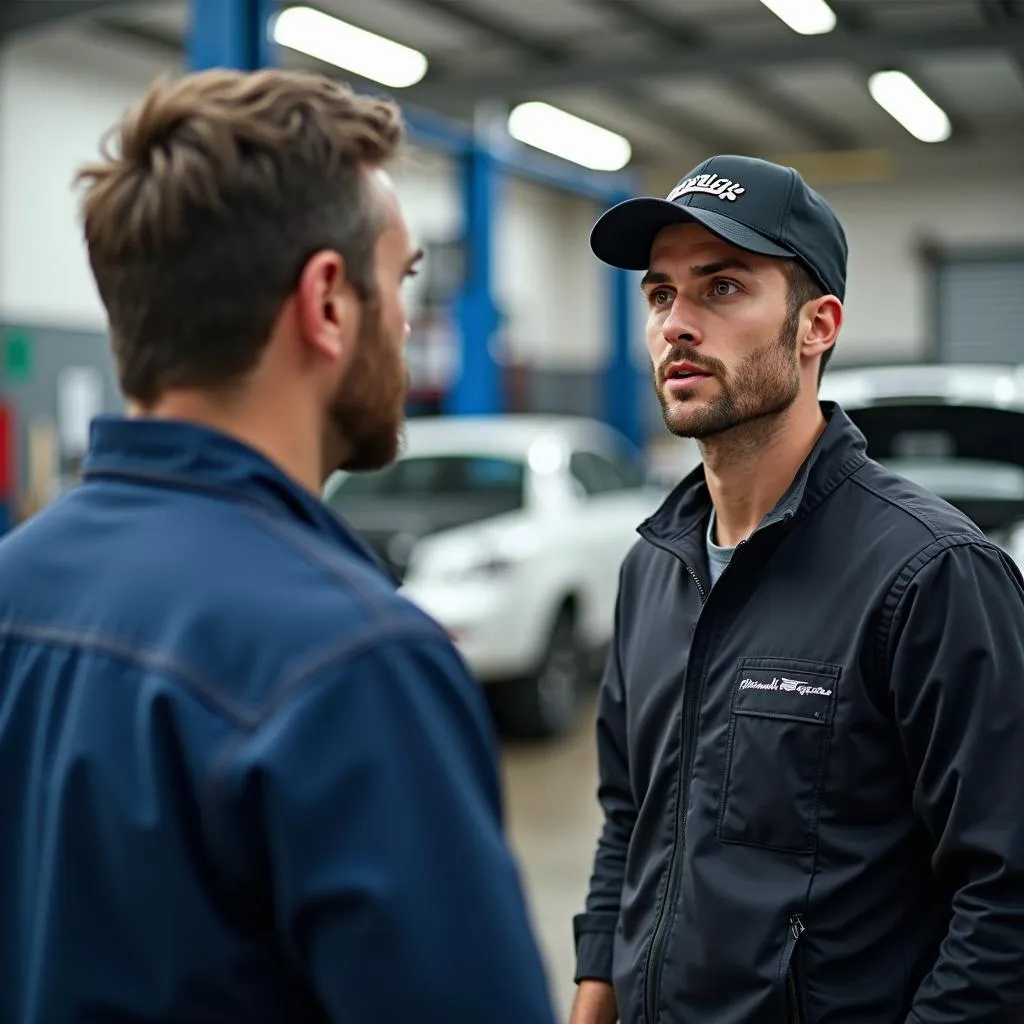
(654, 277)
(699, 271)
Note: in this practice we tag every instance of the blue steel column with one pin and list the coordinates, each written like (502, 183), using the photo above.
(478, 384)
(230, 34)
(622, 377)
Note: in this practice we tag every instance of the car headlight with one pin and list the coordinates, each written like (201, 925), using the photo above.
(480, 559)
(489, 567)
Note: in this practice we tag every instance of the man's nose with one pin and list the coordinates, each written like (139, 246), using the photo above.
(680, 325)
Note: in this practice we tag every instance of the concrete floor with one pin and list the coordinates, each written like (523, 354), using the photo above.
(553, 820)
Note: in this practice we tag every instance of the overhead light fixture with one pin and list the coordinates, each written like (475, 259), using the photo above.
(808, 17)
(906, 102)
(563, 134)
(354, 49)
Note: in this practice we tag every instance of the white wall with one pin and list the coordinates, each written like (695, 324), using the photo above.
(545, 276)
(58, 95)
(427, 184)
(888, 304)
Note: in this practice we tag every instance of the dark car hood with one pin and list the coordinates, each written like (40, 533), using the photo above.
(918, 438)
(912, 427)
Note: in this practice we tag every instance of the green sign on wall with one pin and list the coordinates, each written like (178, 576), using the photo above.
(17, 356)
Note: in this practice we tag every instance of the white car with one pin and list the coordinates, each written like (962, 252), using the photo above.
(956, 429)
(510, 531)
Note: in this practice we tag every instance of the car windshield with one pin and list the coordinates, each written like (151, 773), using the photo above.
(480, 485)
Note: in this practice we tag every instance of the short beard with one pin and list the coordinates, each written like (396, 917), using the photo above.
(765, 385)
(367, 414)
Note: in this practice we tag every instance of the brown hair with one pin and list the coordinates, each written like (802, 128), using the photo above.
(803, 287)
(222, 186)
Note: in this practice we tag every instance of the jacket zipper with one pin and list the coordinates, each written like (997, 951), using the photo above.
(700, 586)
(796, 929)
(654, 956)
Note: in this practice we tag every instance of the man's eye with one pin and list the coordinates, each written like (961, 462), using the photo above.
(660, 296)
(722, 288)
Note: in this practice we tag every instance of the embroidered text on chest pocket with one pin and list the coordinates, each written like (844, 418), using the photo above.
(780, 728)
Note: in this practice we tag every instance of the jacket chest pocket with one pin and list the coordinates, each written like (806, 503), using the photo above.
(780, 729)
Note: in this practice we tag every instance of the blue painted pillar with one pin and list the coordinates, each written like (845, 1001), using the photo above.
(230, 34)
(8, 469)
(622, 376)
(478, 385)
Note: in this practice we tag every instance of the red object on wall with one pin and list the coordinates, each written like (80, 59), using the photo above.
(7, 467)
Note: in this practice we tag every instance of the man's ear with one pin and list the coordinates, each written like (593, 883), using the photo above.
(825, 318)
(327, 306)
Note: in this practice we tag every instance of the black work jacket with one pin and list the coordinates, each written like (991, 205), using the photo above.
(812, 773)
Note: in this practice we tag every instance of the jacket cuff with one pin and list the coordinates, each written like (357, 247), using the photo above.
(595, 942)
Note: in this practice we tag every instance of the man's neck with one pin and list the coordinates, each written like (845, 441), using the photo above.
(244, 421)
(750, 468)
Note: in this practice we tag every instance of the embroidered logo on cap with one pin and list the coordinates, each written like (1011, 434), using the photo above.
(710, 184)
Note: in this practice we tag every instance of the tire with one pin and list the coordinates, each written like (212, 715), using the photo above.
(545, 704)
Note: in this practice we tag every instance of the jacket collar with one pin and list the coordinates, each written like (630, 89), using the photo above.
(840, 450)
(187, 456)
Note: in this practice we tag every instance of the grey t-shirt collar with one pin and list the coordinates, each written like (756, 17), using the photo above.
(718, 557)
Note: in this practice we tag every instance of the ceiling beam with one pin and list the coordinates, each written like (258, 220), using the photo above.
(853, 20)
(1002, 13)
(726, 59)
(754, 90)
(497, 27)
(850, 15)
(544, 50)
(167, 43)
(17, 17)
(679, 122)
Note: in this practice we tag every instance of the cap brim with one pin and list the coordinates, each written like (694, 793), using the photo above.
(623, 236)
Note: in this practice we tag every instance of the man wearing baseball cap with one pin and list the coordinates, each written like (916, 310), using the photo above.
(811, 725)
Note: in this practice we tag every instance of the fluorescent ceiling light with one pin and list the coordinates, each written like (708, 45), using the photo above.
(354, 49)
(570, 137)
(808, 17)
(904, 100)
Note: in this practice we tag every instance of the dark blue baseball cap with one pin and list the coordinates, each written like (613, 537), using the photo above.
(753, 204)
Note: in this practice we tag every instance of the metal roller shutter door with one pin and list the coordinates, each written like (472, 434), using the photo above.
(980, 307)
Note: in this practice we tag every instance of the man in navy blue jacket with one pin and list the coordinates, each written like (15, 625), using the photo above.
(243, 779)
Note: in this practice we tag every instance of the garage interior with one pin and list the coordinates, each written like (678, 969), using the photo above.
(668, 83)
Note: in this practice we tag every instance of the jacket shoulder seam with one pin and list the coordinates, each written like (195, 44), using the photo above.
(140, 655)
(898, 590)
(337, 655)
(933, 528)
(345, 650)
